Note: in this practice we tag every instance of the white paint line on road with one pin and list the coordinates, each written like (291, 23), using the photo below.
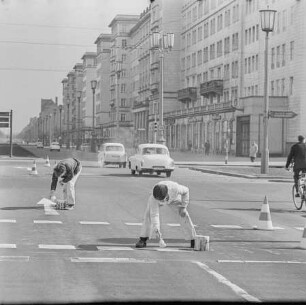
(14, 258)
(8, 220)
(8, 246)
(171, 250)
(101, 248)
(239, 291)
(133, 223)
(48, 221)
(278, 228)
(173, 224)
(49, 210)
(227, 226)
(299, 228)
(259, 262)
(94, 223)
(57, 247)
(110, 260)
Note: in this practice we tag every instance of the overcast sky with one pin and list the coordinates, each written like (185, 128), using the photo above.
(41, 41)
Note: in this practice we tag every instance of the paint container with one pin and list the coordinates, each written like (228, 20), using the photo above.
(201, 243)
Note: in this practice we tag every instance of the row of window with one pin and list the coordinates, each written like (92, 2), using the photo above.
(278, 55)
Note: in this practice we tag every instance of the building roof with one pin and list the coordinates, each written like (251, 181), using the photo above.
(124, 18)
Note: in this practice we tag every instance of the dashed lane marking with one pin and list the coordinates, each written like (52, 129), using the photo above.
(259, 262)
(299, 228)
(173, 224)
(133, 223)
(227, 226)
(14, 258)
(8, 220)
(8, 246)
(239, 291)
(57, 247)
(110, 260)
(101, 248)
(94, 223)
(48, 221)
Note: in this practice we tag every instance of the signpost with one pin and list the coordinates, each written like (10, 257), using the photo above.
(282, 114)
(6, 121)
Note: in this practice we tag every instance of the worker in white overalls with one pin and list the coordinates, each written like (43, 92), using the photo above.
(176, 197)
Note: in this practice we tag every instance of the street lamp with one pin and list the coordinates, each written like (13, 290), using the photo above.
(267, 18)
(118, 72)
(79, 94)
(93, 84)
(68, 135)
(162, 43)
(54, 125)
(60, 132)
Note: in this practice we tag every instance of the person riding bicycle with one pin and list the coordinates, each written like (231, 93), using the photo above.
(297, 156)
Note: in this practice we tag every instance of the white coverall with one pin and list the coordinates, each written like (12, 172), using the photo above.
(178, 197)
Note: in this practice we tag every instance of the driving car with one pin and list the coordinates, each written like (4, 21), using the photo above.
(55, 146)
(112, 153)
(39, 145)
(150, 158)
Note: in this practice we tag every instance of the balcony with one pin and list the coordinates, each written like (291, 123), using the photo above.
(154, 87)
(155, 66)
(187, 94)
(212, 87)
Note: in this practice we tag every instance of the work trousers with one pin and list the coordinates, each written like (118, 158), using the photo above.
(69, 189)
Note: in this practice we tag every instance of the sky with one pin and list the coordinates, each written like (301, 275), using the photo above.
(41, 41)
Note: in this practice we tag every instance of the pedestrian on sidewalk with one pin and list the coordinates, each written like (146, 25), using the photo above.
(174, 196)
(297, 156)
(207, 147)
(66, 172)
(253, 151)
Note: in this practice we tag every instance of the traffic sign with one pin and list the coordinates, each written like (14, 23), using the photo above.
(282, 114)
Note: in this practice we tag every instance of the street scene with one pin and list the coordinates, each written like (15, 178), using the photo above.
(152, 151)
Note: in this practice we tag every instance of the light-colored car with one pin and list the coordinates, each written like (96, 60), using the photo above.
(39, 145)
(150, 158)
(112, 153)
(55, 146)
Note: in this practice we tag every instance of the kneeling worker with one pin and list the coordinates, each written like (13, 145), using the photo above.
(66, 172)
(176, 197)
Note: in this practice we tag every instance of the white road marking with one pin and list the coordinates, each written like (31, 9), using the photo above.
(8, 246)
(173, 224)
(239, 291)
(47, 221)
(299, 228)
(48, 206)
(278, 228)
(94, 223)
(171, 250)
(133, 223)
(110, 260)
(101, 248)
(259, 262)
(57, 247)
(8, 220)
(14, 258)
(227, 226)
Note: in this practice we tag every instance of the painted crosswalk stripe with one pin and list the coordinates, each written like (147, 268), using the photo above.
(227, 226)
(8, 220)
(14, 258)
(110, 260)
(57, 247)
(173, 224)
(48, 221)
(94, 223)
(133, 223)
(8, 246)
(101, 248)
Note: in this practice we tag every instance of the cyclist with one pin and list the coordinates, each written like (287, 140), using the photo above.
(297, 156)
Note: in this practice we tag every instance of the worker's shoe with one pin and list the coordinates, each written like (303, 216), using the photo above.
(297, 195)
(192, 243)
(142, 242)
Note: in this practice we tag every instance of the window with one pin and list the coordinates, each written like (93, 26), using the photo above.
(123, 102)
(272, 58)
(212, 51)
(194, 37)
(235, 69)
(278, 56)
(291, 49)
(123, 43)
(283, 54)
(193, 60)
(206, 30)
(291, 85)
(235, 42)
(123, 57)
(122, 117)
(226, 45)
(123, 87)
(205, 54)
(284, 20)
(226, 72)
(219, 48)
(282, 87)
(199, 57)
(212, 26)
(220, 22)
(200, 33)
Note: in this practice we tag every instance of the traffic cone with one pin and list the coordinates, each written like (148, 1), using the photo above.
(47, 162)
(265, 222)
(303, 241)
(34, 170)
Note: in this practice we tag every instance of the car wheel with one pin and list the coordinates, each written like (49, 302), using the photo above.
(168, 174)
(133, 172)
(158, 173)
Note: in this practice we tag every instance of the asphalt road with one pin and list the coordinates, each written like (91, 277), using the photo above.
(88, 254)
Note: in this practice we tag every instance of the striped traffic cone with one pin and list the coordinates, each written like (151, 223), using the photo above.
(303, 241)
(265, 222)
(34, 170)
(47, 162)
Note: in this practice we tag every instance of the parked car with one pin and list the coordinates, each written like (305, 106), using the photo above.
(39, 145)
(150, 158)
(55, 146)
(112, 153)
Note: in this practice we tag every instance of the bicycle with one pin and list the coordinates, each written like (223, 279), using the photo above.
(298, 201)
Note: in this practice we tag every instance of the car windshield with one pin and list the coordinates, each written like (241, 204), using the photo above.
(154, 151)
(114, 148)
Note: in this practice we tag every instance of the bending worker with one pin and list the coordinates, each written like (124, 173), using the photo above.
(176, 197)
(66, 172)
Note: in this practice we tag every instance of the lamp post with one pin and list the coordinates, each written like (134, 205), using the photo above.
(54, 124)
(79, 94)
(163, 43)
(68, 135)
(267, 18)
(93, 84)
(60, 131)
(118, 72)
(50, 129)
